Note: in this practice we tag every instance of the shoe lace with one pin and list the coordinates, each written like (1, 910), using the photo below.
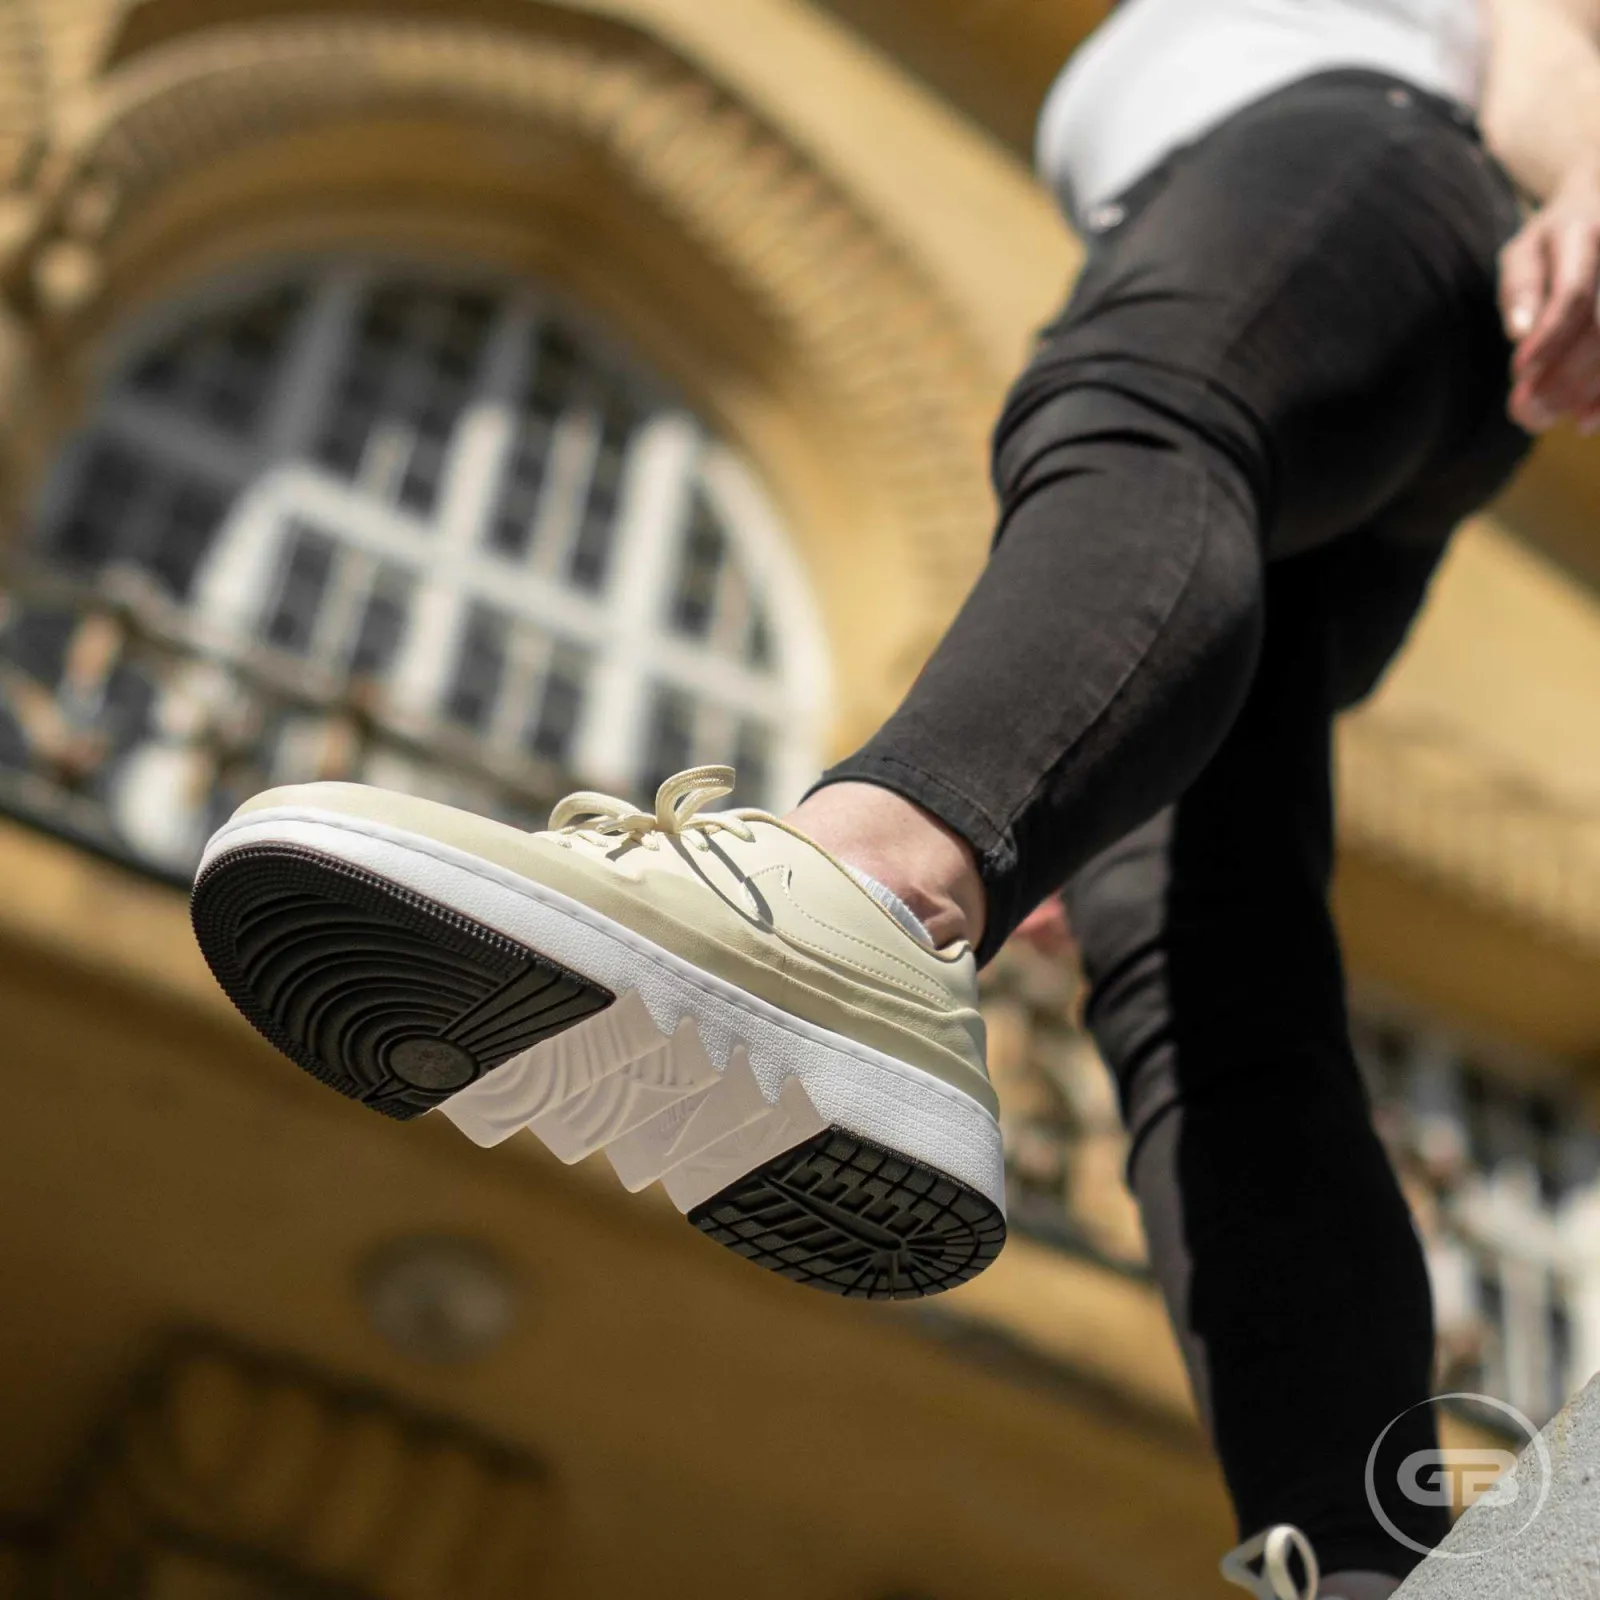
(1274, 1580)
(678, 812)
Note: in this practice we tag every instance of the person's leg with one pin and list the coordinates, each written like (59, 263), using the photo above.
(1277, 1231)
(1276, 1228)
(1108, 646)
(1296, 321)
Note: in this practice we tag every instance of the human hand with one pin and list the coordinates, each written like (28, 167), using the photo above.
(1550, 300)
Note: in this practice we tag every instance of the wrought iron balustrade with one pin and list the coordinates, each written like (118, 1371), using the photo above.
(131, 726)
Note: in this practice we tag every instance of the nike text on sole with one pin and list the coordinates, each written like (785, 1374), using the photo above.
(409, 975)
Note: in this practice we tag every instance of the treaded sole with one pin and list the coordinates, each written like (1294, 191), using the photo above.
(841, 1214)
(376, 991)
(399, 1002)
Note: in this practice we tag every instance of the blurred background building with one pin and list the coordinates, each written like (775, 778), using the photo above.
(492, 397)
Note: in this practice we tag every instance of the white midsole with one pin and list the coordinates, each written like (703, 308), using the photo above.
(847, 1084)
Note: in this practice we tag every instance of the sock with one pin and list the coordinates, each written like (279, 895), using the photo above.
(1358, 1586)
(897, 908)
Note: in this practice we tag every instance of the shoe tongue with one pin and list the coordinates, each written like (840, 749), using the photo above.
(893, 904)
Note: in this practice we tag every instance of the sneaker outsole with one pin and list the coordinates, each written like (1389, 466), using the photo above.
(841, 1214)
(373, 989)
(399, 1002)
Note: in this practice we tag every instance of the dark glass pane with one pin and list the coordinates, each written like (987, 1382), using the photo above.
(111, 494)
(141, 510)
(220, 369)
(591, 552)
(383, 624)
(669, 738)
(694, 595)
(35, 641)
(408, 377)
(302, 582)
(552, 730)
(420, 485)
(179, 541)
(511, 529)
(752, 765)
(758, 642)
(554, 370)
(547, 392)
(125, 716)
(480, 667)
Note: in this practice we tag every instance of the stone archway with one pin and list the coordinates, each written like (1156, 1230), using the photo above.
(903, 394)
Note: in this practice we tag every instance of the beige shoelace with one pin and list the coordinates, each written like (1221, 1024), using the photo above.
(679, 802)
(1273, 1548)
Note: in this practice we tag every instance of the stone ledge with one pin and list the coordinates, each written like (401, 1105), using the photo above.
(1497, 1551)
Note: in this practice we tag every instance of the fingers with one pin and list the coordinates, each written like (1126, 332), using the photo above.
(1524, 280)
(1572, 297)
(1571, 386)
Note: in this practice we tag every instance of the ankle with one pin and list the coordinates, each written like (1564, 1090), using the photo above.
(908, 850)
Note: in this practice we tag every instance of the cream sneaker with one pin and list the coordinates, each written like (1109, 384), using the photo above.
(706, 996)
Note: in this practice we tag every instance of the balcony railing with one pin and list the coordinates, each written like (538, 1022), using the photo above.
(129, 726)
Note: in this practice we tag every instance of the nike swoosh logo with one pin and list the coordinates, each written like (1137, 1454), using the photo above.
(755, 910)
(903, 974)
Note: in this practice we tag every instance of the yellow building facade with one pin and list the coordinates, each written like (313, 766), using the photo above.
(500, 396)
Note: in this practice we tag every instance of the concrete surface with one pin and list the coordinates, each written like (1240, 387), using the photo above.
(1542, 1545)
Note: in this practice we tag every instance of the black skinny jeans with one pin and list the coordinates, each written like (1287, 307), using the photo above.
(1225, 479)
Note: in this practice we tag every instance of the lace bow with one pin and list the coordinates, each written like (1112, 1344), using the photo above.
(677, 814)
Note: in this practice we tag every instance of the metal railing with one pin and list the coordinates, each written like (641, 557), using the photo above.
(129, 726)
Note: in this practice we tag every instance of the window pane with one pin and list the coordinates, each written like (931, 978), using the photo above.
(752, 761)
(551, 732)
(35, 641)
(480, 667)
(591, 550)
(383, 623)
(181, 532)
(758, 641)
(302, 582)
(406, 380)
(669, 738)
(694, 596)
(219, 371)
(552, 389)
(144, 512)
(112, 494)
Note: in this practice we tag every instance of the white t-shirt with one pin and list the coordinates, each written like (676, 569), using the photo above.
(1159, 73)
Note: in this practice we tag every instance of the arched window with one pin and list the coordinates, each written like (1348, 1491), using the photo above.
(357, 521)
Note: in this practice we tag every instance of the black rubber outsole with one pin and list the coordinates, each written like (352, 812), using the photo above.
(380, 993)
(842, 1214)
(399, 1002)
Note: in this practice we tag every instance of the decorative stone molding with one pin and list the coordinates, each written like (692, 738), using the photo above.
(24, 87)
(237, 1465)
(888, 356)
(1406, 793)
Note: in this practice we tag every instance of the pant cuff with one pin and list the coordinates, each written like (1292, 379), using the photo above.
(994, 849)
